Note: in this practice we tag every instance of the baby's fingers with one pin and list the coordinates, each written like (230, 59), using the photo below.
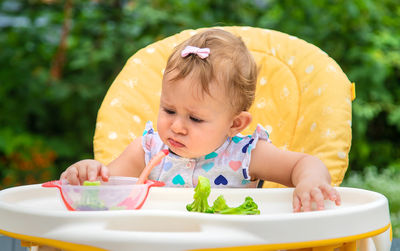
(82, 174)
(305, 201)
(296, 203)
(318, 198)
(95, 169)
(71, 175)
(331, 193)
(104, 172)
(338, 200)
(63, 175)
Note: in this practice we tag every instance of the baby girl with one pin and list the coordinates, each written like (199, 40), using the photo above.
(208, 87)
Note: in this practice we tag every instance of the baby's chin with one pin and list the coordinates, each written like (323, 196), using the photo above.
(186, 155)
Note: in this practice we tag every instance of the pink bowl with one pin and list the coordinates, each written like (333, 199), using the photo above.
(119, 193)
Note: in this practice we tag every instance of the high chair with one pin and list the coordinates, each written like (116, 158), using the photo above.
(303, 99)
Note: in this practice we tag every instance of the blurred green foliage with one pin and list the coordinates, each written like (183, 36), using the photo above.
(53, 115)
(363, 36)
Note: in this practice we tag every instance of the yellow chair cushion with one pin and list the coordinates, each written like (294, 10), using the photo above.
(303, 98)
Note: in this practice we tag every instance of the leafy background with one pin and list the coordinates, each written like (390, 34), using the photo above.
(58, 58)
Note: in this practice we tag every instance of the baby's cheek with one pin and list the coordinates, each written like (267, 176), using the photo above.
(209, 145)
(161, 129)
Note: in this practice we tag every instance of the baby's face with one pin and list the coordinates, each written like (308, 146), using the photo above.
(190, 122)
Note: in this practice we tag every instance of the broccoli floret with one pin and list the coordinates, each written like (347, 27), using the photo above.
(200, 203)
(248, 207)
(201, 193)
(219, 204)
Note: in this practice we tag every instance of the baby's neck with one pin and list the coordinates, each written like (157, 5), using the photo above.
(173, 152)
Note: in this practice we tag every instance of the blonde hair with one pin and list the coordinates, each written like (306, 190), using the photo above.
(229, 63)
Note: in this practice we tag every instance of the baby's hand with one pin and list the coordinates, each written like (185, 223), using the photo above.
(305, 194)
(83, 170)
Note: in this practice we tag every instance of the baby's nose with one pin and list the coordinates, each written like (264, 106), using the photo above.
(178, 126)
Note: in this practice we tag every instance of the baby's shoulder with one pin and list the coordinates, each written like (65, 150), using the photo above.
(245, 144)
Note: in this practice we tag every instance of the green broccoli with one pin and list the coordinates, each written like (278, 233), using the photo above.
(219, 204)
(248, 207)
(201, 193)
(200, 203)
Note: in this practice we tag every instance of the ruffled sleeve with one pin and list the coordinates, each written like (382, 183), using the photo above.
(259, 134)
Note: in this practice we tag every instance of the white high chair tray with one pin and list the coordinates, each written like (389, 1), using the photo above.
(164, 224)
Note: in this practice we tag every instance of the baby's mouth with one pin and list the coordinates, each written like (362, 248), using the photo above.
(175, 143)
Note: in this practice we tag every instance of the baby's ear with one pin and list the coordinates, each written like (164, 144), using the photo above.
(239, 123)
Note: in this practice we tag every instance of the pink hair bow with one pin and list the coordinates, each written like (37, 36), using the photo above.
(201, 52)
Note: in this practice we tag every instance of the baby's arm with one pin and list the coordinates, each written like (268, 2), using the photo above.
(305, 172)
(130, 163)
(313, 183)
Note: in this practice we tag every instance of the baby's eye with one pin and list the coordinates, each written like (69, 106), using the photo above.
(196, 119)
(169, 111)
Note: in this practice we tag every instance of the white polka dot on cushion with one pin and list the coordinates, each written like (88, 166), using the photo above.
(300, 120)
(136, 118)
(318, 91)
(331, 68)
(112, 135)
(150, 50)
(341, 155)
(309, 69)
(313, 126)
(273, 51)
(131, 82)
(328, 133)
(263, 81)
(115, 102)
(137, 60)
(261, 103)
(285, 92)
(291, 60)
